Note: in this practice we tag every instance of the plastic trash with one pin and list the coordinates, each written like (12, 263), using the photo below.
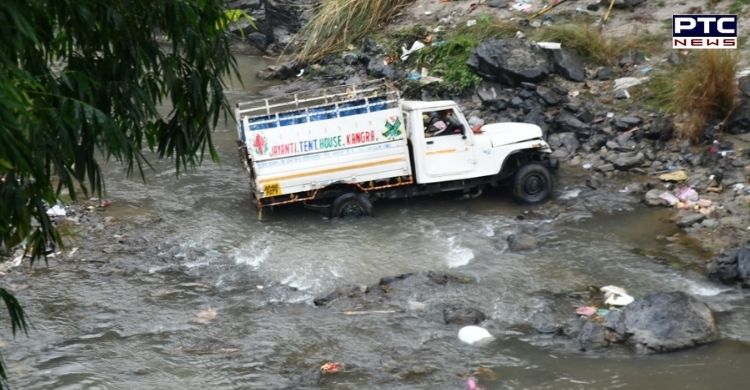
(549, 45)
(669, 198)
(687, 194)
(417, 45)
(676, 176)
(331, 368)
(57, 211)
(586, 311)
(414, 75)
(616, 296)
(471, 22)
(602, 312)
(473, 334)
(471, 384)
(627, 82)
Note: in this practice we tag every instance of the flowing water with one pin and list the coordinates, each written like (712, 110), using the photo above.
(140, 315)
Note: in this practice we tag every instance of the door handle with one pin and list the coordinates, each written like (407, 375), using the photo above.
(430, 142)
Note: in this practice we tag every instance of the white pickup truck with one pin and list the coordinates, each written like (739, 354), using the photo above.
(340, 149)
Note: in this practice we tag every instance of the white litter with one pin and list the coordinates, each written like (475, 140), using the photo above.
(473, 334)
(627, 82)
(417, 45)
(549, 45)
(616, 296)
(57, 211)
(471, 22)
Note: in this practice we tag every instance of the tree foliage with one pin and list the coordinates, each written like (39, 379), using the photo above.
(81, 80)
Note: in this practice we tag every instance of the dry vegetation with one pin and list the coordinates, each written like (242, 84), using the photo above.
(704, 89)
(589, 42)
(338, 23)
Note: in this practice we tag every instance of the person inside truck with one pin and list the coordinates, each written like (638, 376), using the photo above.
(442, 122)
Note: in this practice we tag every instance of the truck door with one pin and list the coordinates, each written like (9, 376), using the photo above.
(448, 148)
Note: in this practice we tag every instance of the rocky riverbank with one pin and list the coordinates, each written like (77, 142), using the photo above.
(596, 117)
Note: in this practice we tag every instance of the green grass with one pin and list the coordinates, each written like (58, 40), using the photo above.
(738, 5)
(447, 55)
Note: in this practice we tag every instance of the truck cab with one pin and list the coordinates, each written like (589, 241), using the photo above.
(458, 152)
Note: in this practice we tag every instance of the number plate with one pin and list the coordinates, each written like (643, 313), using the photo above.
(271, 189)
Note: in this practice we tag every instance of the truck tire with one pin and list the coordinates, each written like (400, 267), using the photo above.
(532, 183)
(351, 204)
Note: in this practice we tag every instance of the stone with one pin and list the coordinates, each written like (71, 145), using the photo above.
(627, 122)
(569, 142)
(652, 198)
(622, 94)
(510, 61)
(549, 96)
(463, 316)
(628, 160)
(377, 67)
(592, 337)
(605, 73)
(605, 168)
(522, 242)
(662, 128)
(567, 122)
(567, 64)
(731, 267)
(497, 3)
(744, 85)
(739, 121)
(668, 321)
(489, 93)
(690, 220)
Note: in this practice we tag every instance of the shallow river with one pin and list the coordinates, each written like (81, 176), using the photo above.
(127, 319)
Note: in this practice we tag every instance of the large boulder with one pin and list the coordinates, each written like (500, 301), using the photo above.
(510, 61)
(731, 267)
(668, 321)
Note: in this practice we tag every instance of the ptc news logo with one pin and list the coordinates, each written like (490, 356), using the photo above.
(704, 31)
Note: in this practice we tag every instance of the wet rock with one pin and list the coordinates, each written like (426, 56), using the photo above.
(668, 321)
(463, 316)
(592, 337)
(731, 267)
(690, 220)
(522, 242)
(510, 60)
(339, 292)
(568, 65)
(652, 198)
(605, 73)
(739, 121)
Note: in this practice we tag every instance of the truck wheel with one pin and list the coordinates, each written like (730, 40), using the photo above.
(532, 183)
(351, 204)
